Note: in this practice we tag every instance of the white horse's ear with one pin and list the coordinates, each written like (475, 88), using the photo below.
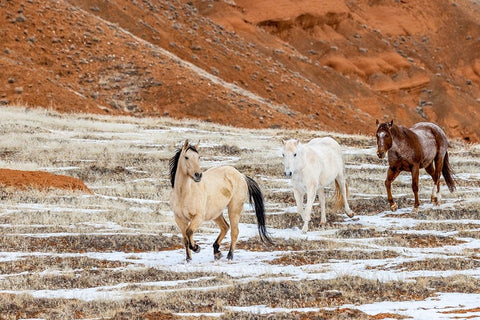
(284, 141)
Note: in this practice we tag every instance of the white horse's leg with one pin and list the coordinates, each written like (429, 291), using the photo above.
(299, 200)
(321, 197)
(343, 191)
(308, 208)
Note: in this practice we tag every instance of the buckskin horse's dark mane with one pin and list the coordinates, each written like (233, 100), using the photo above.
(174, 163)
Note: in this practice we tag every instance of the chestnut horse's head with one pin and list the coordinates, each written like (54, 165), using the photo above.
(384, 138)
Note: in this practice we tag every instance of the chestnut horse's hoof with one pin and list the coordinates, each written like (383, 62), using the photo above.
(415, 210)
(394, 207)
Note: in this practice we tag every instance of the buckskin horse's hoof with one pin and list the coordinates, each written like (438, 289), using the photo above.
(217, 255)
(196, 248)
(394, 207)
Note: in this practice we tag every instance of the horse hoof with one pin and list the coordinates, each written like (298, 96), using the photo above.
(305, 229)
(188, 260)
(394, 207)
(196, 248)
(415, 210)
(230, 255)
(350, 214)
(217, 255)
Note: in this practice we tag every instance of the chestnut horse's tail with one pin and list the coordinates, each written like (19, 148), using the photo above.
(447, 173)
(256, 199)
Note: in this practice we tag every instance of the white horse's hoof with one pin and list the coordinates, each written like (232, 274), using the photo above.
(305, 227)
(350, 214)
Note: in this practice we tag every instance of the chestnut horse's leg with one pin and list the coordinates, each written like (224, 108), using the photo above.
(431, 171)
(222, 223)
(392, 174)
(415, 174)
(439, 161)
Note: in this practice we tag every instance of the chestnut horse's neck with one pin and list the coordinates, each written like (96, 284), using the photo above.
(406, 144)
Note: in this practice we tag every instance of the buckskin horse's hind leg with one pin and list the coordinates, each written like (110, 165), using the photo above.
(222, 223)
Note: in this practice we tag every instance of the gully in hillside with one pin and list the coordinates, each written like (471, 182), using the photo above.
(197, 197)
(422, 146)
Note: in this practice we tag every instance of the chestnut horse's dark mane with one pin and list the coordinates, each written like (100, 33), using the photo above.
(174, 163)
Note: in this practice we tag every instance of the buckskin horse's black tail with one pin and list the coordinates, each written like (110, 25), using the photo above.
(447, 173)
(256, 199)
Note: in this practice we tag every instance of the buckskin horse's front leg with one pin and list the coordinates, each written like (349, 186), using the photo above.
(392, 174)
(182, 223)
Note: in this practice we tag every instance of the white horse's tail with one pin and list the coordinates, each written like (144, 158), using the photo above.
(338, 196)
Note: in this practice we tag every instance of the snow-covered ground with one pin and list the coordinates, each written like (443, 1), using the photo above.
(133, 202)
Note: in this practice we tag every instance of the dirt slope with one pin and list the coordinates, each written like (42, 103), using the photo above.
(331, 65)
(40, 180)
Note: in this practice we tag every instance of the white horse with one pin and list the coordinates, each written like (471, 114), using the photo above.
(312, 166)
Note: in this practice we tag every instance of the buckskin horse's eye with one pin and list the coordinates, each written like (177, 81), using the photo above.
(186, 158)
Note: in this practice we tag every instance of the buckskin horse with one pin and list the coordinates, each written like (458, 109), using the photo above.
(422, 146)
(197, 197)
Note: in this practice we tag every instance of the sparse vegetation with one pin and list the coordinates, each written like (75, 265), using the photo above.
(111, 246)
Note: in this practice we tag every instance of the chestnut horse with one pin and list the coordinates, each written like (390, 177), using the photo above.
(197, 197)
(422, 146)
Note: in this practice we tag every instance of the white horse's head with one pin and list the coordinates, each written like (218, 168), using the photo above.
(189, 162)
(290, 156)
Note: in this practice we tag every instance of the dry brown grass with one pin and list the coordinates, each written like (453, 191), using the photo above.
(63, 240)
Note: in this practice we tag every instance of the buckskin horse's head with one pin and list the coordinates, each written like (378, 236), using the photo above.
(384, 138)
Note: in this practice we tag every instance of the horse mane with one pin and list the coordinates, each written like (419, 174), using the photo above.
(402, 131)
(173, 163)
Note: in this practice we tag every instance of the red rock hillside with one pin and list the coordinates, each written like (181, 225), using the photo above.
(329, 65)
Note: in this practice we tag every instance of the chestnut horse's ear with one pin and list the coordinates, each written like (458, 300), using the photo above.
(390, 124)
(377, 122)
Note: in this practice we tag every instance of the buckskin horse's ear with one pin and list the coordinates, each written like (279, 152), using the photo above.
(185, 145)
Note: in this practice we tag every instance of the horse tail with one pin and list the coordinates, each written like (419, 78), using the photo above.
(256, 200)
(447, 173)
(338, 196)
